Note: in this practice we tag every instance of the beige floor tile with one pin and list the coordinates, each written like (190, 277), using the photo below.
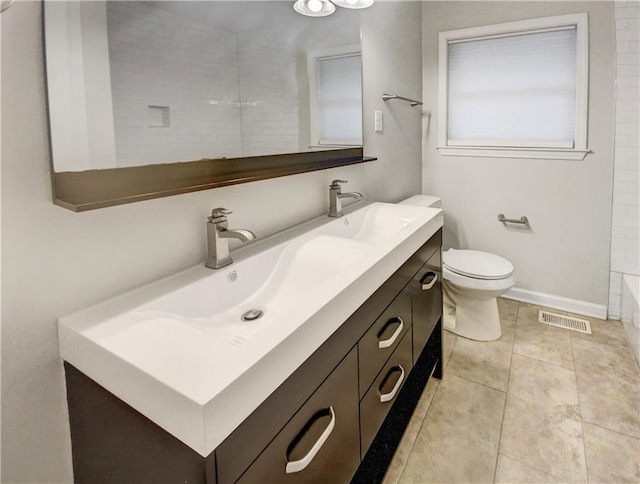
(508, 309)
(510, 471)
(542, 426)
(610, 402)
(604, 359)
(541, 341)
(608, 386)
(458, 441)
(611, 457)
(411, 433)
(543, 437)
(605, 332)
(449, 344)
(485, 362)
(508, 326)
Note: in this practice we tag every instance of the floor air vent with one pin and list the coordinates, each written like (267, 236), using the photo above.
(567, 322)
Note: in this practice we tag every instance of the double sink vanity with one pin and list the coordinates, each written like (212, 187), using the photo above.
(293, 363)
(302, 358)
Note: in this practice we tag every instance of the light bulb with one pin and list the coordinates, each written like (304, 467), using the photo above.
(353, 3)
(314, 8)
(314, 5)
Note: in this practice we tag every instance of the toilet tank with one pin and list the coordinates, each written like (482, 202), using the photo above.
(423, 201)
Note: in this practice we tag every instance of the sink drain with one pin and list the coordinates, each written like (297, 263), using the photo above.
(252, 315)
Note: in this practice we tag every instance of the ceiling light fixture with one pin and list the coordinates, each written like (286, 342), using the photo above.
(314, 8)
(353, 3)
(322, 8)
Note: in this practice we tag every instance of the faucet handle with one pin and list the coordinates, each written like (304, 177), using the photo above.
(219, 215)
(216, 212)
(335, 183)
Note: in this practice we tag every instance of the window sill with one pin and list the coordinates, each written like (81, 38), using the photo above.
(534, 153)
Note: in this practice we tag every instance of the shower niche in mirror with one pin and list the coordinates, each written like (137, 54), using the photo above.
(156, 98)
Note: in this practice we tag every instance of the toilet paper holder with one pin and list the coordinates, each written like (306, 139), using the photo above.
(522, 220)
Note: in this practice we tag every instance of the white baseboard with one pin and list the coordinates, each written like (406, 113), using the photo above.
(556, 302)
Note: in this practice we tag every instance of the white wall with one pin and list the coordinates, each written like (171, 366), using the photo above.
(566, 252)
(625, 246)
(55, 261)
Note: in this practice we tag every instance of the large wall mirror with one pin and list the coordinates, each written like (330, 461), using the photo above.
(155, 98)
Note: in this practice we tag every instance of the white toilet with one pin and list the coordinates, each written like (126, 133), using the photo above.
(473, 280)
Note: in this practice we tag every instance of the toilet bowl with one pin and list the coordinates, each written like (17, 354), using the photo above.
(473, 280)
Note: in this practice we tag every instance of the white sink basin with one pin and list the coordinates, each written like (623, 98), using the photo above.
(179, 352)
(375, 224)
(202, 322)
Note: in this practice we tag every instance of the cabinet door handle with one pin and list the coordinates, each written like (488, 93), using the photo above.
(431, 283)
(298, 465)
(392, 339)
(385, 397)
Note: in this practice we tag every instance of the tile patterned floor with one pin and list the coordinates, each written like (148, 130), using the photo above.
(541, 404)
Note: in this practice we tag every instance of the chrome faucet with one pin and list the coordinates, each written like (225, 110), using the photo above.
(218, 235)
(336, 196)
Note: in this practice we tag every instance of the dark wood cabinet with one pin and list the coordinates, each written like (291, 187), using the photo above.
(426, 302)
(379, 342)
(321, 442)
(383, 392)
(251, 437)
(112, 443)
(332, 408)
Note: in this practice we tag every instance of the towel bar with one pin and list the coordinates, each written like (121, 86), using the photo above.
(386, 97)
(522, 220)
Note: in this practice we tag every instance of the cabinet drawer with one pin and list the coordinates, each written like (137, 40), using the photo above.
(360, 321)
(321, 442)
(426, 302)
(252, 436)
(378, 400)
(378, 343)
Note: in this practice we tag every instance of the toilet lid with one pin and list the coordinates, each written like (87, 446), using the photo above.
(476, 264)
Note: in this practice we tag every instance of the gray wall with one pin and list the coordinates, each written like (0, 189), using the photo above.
(55, 261)
(568, 203)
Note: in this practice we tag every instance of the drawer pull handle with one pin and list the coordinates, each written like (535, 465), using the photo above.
(386, 397)
(392, 339)
(298, 465)
(431, 283)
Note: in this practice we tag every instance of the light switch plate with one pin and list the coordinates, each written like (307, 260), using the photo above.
(378, 121)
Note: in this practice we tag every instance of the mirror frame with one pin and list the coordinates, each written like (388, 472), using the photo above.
(80, 191)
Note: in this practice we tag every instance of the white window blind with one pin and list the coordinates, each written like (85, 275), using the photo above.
(339, 99)
(513, 90)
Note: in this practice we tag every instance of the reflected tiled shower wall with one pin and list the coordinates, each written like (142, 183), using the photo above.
(625, 243)
(269, 93)
(165, 60)
(184, 90)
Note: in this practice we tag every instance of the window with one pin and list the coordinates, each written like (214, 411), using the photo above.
(517, 89)
(335, 78)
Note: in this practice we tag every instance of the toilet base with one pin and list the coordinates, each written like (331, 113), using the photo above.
(473, 318)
